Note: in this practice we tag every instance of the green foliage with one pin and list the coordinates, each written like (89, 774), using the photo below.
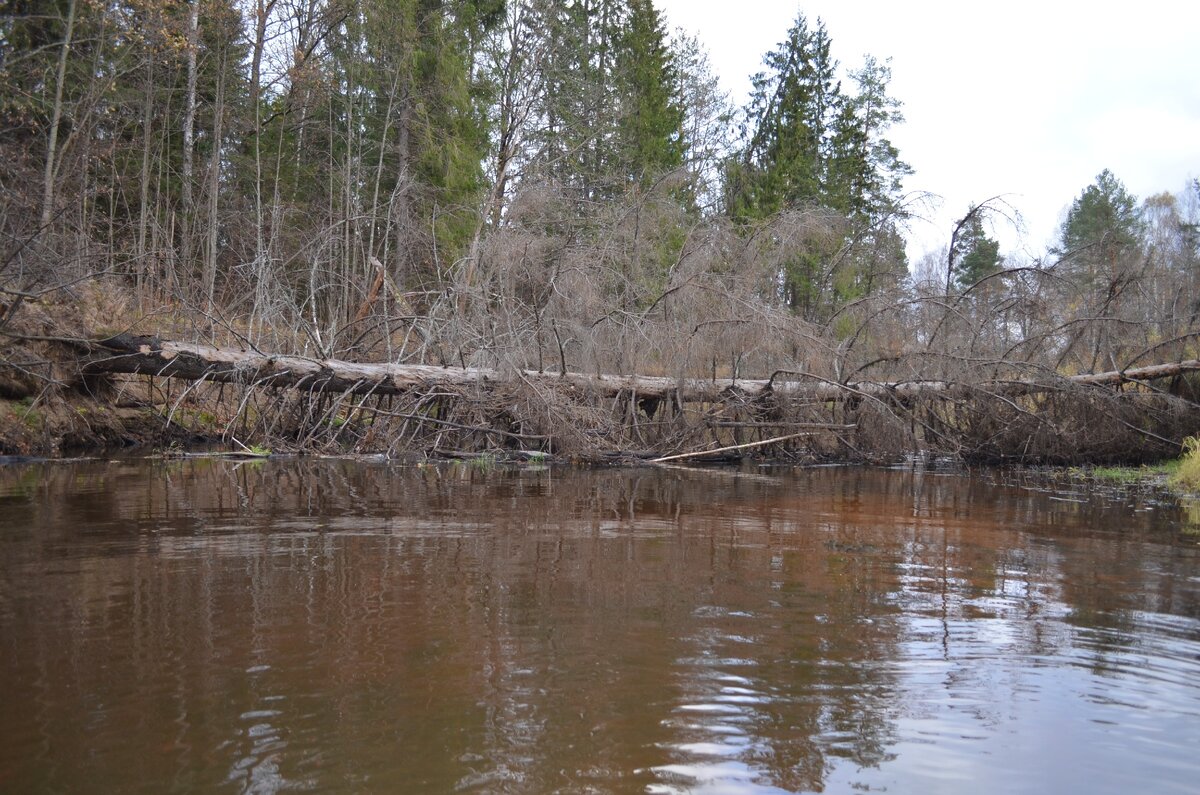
(1187, 476)
(973, 255)
(30, 416)
(981, 261)
(610, 117)
(406, 104)
(31, 37)
(1129, 475)
(793, 106)
(577, 141)
(865, 170)
(650, 118)
(485, 462)
(1103, 223)
(809, 145)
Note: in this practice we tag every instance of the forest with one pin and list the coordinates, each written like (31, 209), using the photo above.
(553, 208)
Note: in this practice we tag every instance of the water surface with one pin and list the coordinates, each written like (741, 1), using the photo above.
(339, 626)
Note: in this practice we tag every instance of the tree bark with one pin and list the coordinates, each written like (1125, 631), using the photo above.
(187, 220)
(214, 189)
(56, 119)
(151, 356)
(144, 192)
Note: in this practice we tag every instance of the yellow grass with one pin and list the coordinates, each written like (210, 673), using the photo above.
(1187, 476)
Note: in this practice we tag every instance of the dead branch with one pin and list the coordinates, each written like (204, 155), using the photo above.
(745, 446)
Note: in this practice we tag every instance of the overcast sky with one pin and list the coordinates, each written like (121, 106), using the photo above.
(1028, 99)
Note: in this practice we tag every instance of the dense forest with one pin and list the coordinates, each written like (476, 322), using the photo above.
(541, 185)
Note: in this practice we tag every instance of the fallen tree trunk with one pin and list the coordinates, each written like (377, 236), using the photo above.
(190, 361)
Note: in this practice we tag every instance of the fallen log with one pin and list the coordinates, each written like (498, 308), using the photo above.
(190, 361)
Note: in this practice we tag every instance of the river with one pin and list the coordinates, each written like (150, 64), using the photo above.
(340, 626)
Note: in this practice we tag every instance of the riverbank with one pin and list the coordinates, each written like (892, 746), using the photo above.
(75, 382)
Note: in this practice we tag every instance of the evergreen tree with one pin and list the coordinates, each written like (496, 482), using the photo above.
(58, 70)
(973, 255)
(1101, 244)
(1103, 224)
(811, 146)
(577, 131)
(411, 123)
(865, 171)
(610, 115)
(650, 117)
(793, 106)
(863, 183)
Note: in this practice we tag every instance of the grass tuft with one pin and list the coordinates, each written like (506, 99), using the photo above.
(1187, 476)
(1128, 476)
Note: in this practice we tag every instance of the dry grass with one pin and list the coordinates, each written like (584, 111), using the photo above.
(1187, 476)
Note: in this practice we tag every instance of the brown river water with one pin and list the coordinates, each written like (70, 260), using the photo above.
(345, 626)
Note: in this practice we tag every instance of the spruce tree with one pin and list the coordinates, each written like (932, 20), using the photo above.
(650, 117)
(576, 133)
(973, 255)
(792, 108)
(412, 118)
(811, 146)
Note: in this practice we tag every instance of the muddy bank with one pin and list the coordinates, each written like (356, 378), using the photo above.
(49, 404)
(75, 425)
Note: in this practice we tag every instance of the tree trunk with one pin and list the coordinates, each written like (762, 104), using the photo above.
(56, 119)
(214, 188)
(144, 194)
(151, 356)
(189, 130)
(261, 11)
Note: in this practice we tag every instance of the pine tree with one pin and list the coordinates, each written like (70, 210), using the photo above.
(1101, 238)
(865, 171)
(1103, 222)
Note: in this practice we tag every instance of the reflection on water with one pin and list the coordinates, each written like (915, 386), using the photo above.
(346, 627)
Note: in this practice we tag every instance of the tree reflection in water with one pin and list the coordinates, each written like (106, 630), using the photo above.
(342, 626)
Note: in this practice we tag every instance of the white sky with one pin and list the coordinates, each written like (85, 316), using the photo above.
(1027, 99)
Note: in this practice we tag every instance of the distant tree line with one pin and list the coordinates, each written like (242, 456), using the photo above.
(535, 182)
